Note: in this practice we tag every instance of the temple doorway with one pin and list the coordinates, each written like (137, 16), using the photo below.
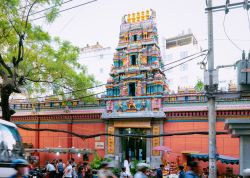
(133, 148)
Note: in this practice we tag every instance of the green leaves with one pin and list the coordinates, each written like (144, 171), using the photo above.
(50, 64)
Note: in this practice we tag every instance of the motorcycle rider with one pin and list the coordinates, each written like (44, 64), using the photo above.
(21, 166)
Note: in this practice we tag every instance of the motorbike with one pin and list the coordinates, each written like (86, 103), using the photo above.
(37, 173)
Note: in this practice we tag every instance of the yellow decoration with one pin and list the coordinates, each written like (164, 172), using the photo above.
(129, 18)
(111, 141)
(156, 140)
(147, 14)
(138, 17)
(142, 15)
(133, 17)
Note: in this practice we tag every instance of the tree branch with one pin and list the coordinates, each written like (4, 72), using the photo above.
(28, 14)
(5, 65)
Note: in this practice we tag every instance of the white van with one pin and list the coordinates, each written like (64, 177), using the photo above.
(10, 147)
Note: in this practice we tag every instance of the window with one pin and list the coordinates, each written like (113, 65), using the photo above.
(150, 89)
(116, 91)
(101, 70)
(134, 37)
(120, 64)
(11, 145)
(133, 60)
(131, 89)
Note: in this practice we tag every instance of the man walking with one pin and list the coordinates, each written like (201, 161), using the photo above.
(51, 169)
(160, 171)
(193, 168)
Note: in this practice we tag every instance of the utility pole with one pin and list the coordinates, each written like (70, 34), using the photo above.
(211, 86)
(211, 98)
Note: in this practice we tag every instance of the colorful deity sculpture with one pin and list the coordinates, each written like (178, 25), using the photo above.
(124, 90)
(109, 106)
(139, 89)
(131, 104)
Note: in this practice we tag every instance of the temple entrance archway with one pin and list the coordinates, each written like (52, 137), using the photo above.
(134, 148)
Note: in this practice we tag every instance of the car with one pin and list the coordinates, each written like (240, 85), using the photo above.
(11, 147)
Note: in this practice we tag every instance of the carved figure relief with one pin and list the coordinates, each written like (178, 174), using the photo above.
(131, 104)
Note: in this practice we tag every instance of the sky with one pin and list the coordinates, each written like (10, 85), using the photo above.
(100, 21)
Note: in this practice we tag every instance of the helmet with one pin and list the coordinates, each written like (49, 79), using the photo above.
(19, 162)
(142, 166)
(246, 172)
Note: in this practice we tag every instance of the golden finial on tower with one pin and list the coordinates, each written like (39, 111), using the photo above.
(133, 17)
(142, 15)
(138, 17)
(129, 18)
(147, 14)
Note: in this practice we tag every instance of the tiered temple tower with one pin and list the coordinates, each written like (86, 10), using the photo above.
(137, 69)
(135, 88)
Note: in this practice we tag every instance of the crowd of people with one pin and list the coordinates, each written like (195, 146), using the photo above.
(58, 169)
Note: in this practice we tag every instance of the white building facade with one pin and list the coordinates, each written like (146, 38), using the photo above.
(98, 60)
(185, 75)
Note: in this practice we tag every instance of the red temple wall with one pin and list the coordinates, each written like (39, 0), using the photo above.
(199, 143)
(64, 140)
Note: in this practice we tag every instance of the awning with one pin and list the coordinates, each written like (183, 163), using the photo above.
(228, 159)
(222, 158)
(199, 156)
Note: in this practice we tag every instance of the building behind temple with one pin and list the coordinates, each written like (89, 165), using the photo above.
(178, 47)
(98, 60)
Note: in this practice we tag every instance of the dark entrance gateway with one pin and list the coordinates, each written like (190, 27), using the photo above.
(133, 148)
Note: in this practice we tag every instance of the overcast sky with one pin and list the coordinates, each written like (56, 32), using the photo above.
(100, 21)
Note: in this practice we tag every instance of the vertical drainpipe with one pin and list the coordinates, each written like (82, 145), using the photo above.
(70, 140)
(37, 137)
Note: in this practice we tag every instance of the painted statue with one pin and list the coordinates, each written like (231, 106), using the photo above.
(138, 88)
(143, 105)
(139, 59)
(131, 104)
(109, 106)
(124, 90)
(156, 104)
(119, 104)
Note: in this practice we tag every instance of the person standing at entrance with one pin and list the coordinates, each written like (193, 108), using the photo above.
(193, 169)
(159, 171)
(127, 166)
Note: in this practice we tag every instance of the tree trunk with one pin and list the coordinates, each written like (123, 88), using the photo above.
(7, 112)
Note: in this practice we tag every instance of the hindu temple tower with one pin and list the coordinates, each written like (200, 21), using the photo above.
(135, 90)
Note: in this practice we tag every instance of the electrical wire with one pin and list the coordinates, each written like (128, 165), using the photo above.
(73, 7)
(233, 43)
(184, 58)
(65, 2)
(183, 62)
